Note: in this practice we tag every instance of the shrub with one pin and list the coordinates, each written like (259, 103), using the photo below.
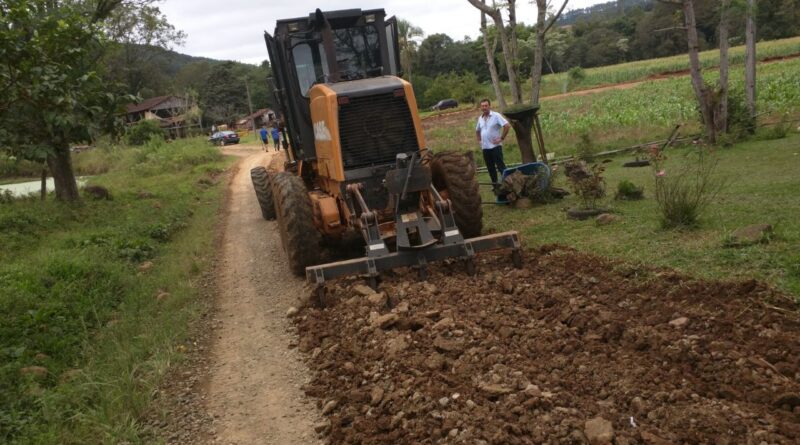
(586, 182)
(586, 148)
(686, 190)
(144, 131)
(626, 190)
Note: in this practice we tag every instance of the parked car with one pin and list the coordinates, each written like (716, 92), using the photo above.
(224, 138)
(444, 104)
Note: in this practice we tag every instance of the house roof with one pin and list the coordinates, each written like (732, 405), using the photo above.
(148, 104)
(260, 112)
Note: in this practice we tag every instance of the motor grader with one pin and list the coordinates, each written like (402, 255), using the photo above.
(356, 156)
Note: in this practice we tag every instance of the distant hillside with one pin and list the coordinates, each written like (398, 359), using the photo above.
(604, 11)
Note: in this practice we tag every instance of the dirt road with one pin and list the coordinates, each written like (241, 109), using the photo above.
(255, 376)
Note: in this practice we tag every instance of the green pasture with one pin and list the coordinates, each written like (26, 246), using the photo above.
(101, 294)
(761, 186)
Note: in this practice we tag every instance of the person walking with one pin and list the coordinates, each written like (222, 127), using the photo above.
(491, 131)
(264, 140)
(276, 137)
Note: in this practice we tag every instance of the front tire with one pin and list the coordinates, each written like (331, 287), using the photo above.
(455, 173)
(299, 236)
(261, 184)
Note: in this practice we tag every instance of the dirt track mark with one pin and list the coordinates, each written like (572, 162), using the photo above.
(254, 388)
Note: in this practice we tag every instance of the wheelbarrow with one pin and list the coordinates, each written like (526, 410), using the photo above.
(539, 169)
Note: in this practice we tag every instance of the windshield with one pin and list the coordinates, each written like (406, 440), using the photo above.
(358, 55)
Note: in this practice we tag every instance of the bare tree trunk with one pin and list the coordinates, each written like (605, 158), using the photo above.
(721, 116)
(701, 90)
(497, 17)
(490, 49)
(750, 62)
(512, 26)
(542, 26)
(60, 164)
(44, 182)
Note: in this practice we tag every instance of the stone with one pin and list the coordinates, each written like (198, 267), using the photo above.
(162, 295)
(384, 321)
(376, 395)
(434, 362)
(652, 439)
(605, 219)
(330, 406)
(40, 357)
(599, 431)
(679, 322)
(444, 324)
(523, 203)
(291, 312)
(753, 234)
(470, 404)
(444, 344)
(401, 308)
(378, 299)
(396, 346)
(36, 371)
(363, 290)
(533, 391)
(444, 401)
(495, 388)
(146, 266)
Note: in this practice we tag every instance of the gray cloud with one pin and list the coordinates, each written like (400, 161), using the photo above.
(234, 29)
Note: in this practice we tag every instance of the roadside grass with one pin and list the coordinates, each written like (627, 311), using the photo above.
(761, 187)
(618, 118)
(100, 295)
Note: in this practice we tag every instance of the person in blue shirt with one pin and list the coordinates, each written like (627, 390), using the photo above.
(276, 137)
(263, 133)
(491, 131)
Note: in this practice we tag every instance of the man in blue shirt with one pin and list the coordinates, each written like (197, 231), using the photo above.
(263, 134)
(491, 131)
(276, 137)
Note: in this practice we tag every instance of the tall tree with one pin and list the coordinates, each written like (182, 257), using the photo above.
(52, 93)
(223, 97)
(490, 49)
(542, 26)
(508, 50)
(408, 46)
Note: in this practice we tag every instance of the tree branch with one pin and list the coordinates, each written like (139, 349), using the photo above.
(555, 17)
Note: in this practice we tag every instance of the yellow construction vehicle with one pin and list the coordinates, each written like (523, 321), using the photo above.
(357, 158)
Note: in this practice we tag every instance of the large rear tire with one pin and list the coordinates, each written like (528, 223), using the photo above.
(296, 222)
(261, 184)
(455, 173)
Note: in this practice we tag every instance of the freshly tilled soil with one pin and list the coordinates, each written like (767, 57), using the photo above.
(530, 356)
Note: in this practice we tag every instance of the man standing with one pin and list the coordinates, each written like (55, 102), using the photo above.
(276, 137)
(491, 131)
(263, 134)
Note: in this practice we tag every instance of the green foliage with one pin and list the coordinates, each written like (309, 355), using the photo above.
(684, 189)
(586, 181)
(465, 88)
(576, 75)
(74, 301)
(586, 148)
(143, 131)
(627, 190)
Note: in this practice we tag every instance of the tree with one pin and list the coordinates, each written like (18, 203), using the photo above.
(223, 97)
(509, 48)
(52, 94)
(408, 46)
(750, 62)
(490, 49)
(542, 26)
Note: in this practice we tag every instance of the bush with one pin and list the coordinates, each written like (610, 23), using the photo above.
(626, 190)
(586, 148)
(686, 190)
(143, 131)
(587, 182)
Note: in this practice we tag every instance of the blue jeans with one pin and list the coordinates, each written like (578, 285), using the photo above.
(493, 157)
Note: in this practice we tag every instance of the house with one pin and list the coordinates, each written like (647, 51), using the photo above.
(176, 115)
(264, 116)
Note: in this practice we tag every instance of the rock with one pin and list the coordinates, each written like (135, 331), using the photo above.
(401, 308)
(396, 346)
(330, 406)
(605, 219)
(162, 295)
(495, 388)
(444, 401)
(599, 431)
(444, 324)
(378, 299)
(444, 344)
(470, 404)
(363, 290)
(638, 405)
(679, 322)
(36, 371)
(434, 362)
(652, 439)
(40, 357)
(533, 391)
(384, 321)
(321, 427)
(523, 203)
(291, 312)
(146, 266)
(376, 395)
(754, 234)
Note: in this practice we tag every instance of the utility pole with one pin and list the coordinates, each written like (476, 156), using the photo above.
(250, 106)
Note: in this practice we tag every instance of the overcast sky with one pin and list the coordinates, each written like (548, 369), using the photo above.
(234, 29)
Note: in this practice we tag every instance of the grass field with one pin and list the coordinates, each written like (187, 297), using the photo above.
(762, 186)
(95, 298)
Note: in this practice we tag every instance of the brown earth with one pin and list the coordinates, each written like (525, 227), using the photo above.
(529, 356)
